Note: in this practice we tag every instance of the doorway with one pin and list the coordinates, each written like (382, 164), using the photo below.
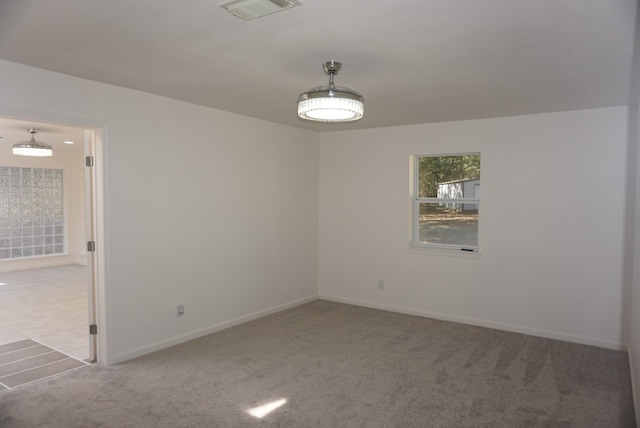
(53, 298)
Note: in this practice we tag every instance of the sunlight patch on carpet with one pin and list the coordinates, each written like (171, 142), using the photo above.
(262, 411)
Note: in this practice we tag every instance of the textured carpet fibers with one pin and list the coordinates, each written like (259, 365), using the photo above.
(327, 364)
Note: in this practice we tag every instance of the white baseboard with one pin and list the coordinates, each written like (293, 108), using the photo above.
(481, 323)
(138, 352)
(10, 265)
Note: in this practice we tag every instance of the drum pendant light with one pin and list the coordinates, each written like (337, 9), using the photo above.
(331, 103)
(32, 147)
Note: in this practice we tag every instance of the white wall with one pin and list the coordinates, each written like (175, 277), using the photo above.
(551, 260)
(210, 209)
(632, 228)
(70, 160)
(632, 265)
(633, 258)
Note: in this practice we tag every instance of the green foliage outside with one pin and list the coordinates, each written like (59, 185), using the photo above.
(439, 169)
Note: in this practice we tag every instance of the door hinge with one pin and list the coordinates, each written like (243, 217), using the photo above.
(89, 161)
(93, 329)
(91, 246)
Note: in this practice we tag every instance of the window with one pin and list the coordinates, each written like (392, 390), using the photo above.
(31, 212)
(446, 201)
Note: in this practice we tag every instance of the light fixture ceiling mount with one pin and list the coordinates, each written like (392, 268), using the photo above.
(32, 147)
(331, 103)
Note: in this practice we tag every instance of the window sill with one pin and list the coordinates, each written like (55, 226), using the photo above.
(443, 252)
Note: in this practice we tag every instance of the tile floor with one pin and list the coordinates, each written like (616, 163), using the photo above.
(27, 361)
(46, 305)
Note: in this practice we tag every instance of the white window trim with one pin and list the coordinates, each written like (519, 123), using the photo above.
(432, 251)
(418, 247)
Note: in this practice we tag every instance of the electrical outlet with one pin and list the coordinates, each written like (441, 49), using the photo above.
(180, 310)
(380, 284)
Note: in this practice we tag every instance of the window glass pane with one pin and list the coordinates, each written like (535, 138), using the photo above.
(16, 177)
(5, 175)
(449, 176)
(448, 224)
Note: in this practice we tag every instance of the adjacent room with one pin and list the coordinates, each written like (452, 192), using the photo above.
(43, 249)
(304, 213)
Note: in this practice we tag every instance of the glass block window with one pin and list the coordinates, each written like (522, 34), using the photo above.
(31, 212)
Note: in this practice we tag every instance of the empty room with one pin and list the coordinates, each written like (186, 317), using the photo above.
(327, 213)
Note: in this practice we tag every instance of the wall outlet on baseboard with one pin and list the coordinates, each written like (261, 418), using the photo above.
(380, 284)
(180, 310)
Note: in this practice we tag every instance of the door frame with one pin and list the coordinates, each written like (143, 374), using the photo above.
(94, 213)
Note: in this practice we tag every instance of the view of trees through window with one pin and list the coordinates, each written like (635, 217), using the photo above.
(434, 170)
(447, 201)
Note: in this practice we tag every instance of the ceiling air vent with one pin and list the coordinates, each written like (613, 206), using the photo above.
(251, 9)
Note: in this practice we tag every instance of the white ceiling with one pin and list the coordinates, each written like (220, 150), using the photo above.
(415, 61)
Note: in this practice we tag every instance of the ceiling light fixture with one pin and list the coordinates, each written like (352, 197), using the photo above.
(32, 147)
(252, 9)
(331, 103)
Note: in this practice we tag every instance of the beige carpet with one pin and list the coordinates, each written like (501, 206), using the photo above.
(326, 364)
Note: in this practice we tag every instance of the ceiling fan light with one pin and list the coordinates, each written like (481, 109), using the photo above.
(330, 109)
(32, 151)
(331, 103)
(32, 147)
